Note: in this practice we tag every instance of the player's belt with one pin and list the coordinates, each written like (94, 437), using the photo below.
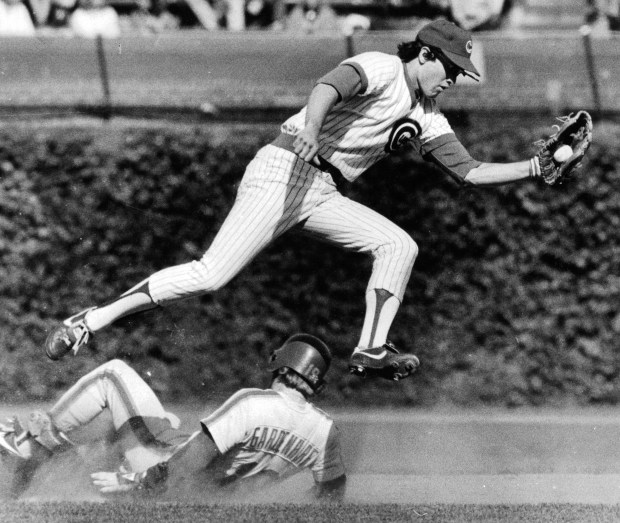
(285, 141)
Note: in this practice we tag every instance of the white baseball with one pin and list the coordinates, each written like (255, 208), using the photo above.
(562, 153)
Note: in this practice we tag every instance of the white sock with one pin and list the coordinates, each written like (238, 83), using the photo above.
(381, 309)
(136, 299)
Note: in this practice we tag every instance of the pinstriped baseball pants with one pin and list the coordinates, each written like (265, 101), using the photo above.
(146, 432)
(279, 191)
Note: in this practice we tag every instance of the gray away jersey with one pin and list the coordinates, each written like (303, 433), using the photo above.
(275, 432)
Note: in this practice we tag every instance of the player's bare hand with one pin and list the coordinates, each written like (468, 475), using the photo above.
(115, 482)
(306, 144)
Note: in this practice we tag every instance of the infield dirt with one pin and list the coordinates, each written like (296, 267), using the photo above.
(411, 457)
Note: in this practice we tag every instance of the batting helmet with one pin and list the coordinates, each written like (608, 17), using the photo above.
(305, 355)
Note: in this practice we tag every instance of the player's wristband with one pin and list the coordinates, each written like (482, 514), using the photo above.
(133, 479)
(154, 476)
(535, 171)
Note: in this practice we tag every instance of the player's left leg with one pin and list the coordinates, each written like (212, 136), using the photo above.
(276, 190)
(146, 432)
(381, 309)
(356, 227)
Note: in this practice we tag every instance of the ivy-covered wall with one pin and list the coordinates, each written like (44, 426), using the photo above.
(513, 299)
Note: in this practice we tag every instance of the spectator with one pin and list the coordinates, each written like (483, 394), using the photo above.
(513, 14)
(150, 17)
(312, 16)
(259, 14)
(15, 20)
(60, 12)
(94, 18)
(441, 6)
(603, 16)
(354, 22)
(234, 14)
(163, 18)
(613, 15)
(279, 15)
(476, 14)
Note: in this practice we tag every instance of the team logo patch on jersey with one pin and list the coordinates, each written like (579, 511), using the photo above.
(403, 131)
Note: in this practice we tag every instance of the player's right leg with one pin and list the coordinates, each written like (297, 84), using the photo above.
(146, 431)
(356, 227)
(76, 331)
(265, 207)
(113, 385)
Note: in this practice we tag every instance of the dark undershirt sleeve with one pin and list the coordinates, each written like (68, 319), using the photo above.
(450, 156)
(345, 79)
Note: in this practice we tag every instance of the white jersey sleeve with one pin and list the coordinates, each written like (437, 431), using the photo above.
(231, 423)
(375, 71)
(329, 464)
(432, 122)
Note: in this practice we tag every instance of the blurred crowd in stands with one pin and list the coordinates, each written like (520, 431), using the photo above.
(112, 18)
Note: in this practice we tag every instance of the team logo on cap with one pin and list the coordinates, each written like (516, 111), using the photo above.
(469, 46)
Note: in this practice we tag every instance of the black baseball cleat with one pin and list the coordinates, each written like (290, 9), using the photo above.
(70, 336)
(384, 362)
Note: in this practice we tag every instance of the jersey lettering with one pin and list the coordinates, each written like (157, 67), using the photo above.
(289, 444)
(254, 440)
(271, 439)
(261, 441)
(281, 437)
(283, 443)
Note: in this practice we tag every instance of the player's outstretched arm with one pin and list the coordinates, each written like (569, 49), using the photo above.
(557, 158)
(449, 154)
(499, 173)
(193, 455)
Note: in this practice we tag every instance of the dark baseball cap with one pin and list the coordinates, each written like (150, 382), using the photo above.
(454, 41)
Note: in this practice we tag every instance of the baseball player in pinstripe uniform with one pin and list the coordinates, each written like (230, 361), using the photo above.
(367, 107)
(257, 436)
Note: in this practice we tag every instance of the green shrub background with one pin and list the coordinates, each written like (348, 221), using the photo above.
(513, 299)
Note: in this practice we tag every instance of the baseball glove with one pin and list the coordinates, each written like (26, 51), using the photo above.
(576, 132)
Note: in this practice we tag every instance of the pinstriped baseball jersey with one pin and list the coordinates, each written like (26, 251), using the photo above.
(432, 122)
(277, 432)
(280, 191)
(356, 132)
